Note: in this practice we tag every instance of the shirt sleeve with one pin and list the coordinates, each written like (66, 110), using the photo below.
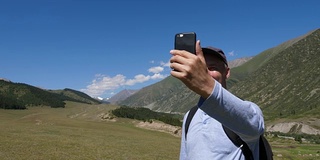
(243, 117)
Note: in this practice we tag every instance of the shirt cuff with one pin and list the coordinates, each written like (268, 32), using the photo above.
(214, 92)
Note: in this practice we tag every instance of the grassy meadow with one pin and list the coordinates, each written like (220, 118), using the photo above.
(77, 132)
(287, 149)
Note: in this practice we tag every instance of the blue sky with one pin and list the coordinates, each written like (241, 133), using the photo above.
(102, 47)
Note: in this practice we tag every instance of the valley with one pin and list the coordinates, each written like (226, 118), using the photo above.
(88, 131)
(68, 124)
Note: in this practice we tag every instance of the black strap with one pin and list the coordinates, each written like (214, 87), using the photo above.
(192, 111)
(265, 149)
(238, 142)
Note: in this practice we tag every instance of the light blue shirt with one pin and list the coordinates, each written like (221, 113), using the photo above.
(206, 138)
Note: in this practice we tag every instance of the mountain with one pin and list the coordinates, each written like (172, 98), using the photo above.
(168, 95)
(3, 79)
(75, 96)
(286, 81)
(21, 96)
(122, 95)
(238, 62)
(283, 81)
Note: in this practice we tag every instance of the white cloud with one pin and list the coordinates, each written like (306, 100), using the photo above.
(102, 84)
(140, 78)
(158, 76)
(156, 70)
(231, 53)
(165, 64)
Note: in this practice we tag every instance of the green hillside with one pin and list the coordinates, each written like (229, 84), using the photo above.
(21, 96)
(287, 85)
(76, 96)
(241, 72)
(168, 95)
(283, 80)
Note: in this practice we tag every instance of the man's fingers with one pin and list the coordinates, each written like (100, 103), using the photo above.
(199, 51)
(178, 63)
(182, 53)
(198, 47)
(177, 59)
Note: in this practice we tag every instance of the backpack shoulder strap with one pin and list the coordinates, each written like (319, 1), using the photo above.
(237, 141)
(192, 111)
(265, 149)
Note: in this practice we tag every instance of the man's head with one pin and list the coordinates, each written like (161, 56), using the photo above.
(217, 64)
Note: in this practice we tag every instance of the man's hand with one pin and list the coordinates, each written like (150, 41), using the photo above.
(192, 70)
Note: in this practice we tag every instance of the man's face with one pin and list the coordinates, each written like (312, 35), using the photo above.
(217, 69)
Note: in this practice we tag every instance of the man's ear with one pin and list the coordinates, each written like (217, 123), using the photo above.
(227, 72)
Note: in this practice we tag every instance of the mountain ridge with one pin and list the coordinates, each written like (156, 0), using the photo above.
(21, 96)
(175, 83)
(175, 97)
(122, 95)
(281, 82)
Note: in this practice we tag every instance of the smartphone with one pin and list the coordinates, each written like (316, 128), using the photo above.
(185, 41)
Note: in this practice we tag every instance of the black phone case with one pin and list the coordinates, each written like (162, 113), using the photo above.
(185, 41)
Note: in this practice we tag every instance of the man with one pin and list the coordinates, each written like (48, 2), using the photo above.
(205, 73)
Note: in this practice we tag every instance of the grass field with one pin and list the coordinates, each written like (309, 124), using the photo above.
(77, 132)
(48, 133)
(285, 149)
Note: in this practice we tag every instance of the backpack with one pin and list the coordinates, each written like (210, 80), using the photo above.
(265, 151)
